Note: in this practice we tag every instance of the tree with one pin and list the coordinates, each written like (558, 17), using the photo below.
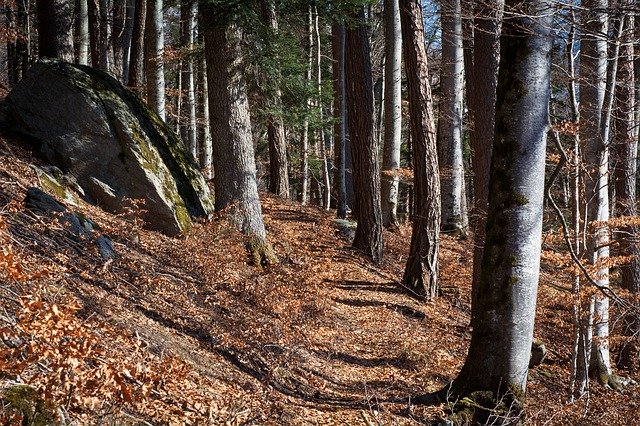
(136, 63)
(154, 62)
(236, 189)
(481, 89)
(55, 20)
(364, 150)
(497, 362)
(82, 32)
(454, 215)
(421, 271)
(188, 12)
(340, 117)
(392, 112)
(272, 94)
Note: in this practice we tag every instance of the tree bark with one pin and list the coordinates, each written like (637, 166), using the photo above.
(154, 62)
(392, 113)
(82, 32)
(340, 118)
(482, 97)
(364, 150)
(236, 189)
(188, 131)
(278, 163)
(136, 63)
(55, 21)
(421, 271)
(454, 215)
(503, 317)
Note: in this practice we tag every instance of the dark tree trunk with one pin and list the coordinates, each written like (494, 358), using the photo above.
(364, 149)
(278, 165)
(340, 117)
(94, 33)
(495, 370)
(118, 37)
(421, 271)
(136, 62)
(55, 21)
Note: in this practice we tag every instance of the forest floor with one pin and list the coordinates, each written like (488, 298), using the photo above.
(186, 331)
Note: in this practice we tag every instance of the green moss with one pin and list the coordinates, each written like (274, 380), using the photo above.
(520, 199)
(261, 252)
(34, 410)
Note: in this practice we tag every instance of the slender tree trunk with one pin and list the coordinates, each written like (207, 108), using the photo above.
(127, 39)
(104, 36)
(55, 21)
(235, 183)
(482, 98)
(119, 13)
(82, 32)
(593, 75)
(136, 63)
(94, 34)
(503, 316)
(626, 145)
(364, 151)
(340, 117)
(326, 181)
(18, 46)
(392, 113)
(188, 15)
(454, 217)
(205, 140)
(278, 163)
(305, 125)
(421, 271)
(154, 62)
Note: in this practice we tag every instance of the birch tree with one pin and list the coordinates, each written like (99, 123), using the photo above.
(154, 62)
(340, 117)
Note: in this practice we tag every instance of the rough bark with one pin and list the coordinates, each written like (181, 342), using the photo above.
(340, 118)
(392, 113)
(364, 150)
(82, 32)
(503, 317)
(55, 21)
(136, 62)
(127, 38)
(421, 271)
(304, 154)
(206, 162)
(482, 96)
(454, 215)
(188, 11)
(278, 164)
(154, 62)
(236, 189)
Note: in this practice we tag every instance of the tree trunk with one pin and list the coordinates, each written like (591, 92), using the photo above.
(326, 180)
(236, 189)
(119, 13)
(188, 131)
(136, 63)
(154, 62)
(340, 118)
(104, 37)
(593, 76)
(127, 38)
(366, 173)
(421, 271)
(55, 21)
(82, 32)
(278, 163)
(392, 113)
(206, 163)
(626, 145)
(495, 370)
(482, 98)
(454, 216)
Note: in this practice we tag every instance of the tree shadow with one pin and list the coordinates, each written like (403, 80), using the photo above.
(391, 288)
(401, 309)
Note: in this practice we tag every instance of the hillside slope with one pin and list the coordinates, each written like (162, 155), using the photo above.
(185, 331)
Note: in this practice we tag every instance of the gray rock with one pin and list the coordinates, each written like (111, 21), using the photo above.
(118, 150)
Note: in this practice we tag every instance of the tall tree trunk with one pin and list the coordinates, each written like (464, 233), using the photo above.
(119, 16)
(482, 97)
(305, 125)
(104, 37)
(136, 63)
(366, 173)
(94, 35)
(206, 163)
(340, 117)
(392, 113)
(188, 131)
(593, 76)
(454, 215)
(421, 271)
(82, 32)
(55, 21)
(326, 180)
(278, 163)
(18, 46)
(503, 317)
(236, 188)
(127, 38)
(626, 145)
(154, 62)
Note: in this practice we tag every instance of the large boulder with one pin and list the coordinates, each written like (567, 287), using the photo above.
(91, 127)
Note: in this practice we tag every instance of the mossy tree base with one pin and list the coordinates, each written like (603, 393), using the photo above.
(29, 407)
(261, 252)
(483, 407)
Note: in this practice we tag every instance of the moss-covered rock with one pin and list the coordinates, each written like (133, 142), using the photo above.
(91, 127)
(26, 404)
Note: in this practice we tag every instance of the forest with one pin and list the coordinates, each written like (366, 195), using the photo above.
(314, 212)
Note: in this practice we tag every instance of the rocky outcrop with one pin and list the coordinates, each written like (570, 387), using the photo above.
(117, 150)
